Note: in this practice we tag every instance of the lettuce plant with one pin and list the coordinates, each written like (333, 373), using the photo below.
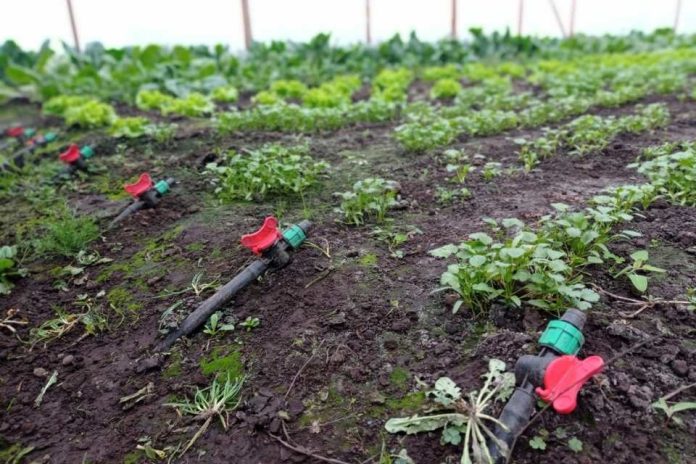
(152, 100)
(445, 89)
(131, 127)
(225, 94)
(90, 114)
(193, 105)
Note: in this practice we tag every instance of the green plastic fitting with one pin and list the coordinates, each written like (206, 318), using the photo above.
(562, 337)
(50, 136)
(162, 187)
(294, 236)
(87, 151)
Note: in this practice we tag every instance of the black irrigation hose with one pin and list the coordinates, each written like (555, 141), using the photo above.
(197, 318)
(132, 208)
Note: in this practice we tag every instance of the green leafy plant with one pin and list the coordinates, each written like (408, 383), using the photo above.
(9, 269)
(91, 114)
(270, 170)
(57, 106)
(445, 89)
(217, 400)
(152, 100)
(671, 410)
(225, 94)
(215, 325)
(131, 128)
(637, 269)
(250, 323)
(370, 198)
(465, 420)
(193, 105)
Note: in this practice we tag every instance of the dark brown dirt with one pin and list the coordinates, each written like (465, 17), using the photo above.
(363, 339)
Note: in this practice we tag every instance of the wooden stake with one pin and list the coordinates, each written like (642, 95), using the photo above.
(558, 18)
(76, 39)
(246, 18)
(368, 25)
(676, 15)
(453, 25)
(520, 14)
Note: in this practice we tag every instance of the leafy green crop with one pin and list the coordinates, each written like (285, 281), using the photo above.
(152, 100)
(370, 198)
(132, 127)
(673, 175)
(9, 268)
(270, 170)
(445, 89)
(225, 94)
(193, 105)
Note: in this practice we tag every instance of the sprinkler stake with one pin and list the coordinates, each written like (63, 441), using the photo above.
(147, 194)
(31, 145)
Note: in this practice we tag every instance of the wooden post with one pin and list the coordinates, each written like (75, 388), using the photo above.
(572, 18)
(676, 15)
(520, 14)
(76, 38)
(453, 25)
(246, 18)
(368, 25)
(558, 18)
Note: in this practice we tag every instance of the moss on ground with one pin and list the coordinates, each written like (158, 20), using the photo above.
(223, 363)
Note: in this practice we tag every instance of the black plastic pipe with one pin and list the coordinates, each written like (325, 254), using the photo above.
(199, 317)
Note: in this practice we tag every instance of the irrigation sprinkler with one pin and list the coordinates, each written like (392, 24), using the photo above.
(75, 158)
(556, 375)
(34, 143)
(272, 246)
(146, 194)
(14, 135)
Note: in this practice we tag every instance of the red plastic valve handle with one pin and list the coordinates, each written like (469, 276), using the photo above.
(264, 238)
(17, 131)
(70, 155)
(564, 378)
(143, 184)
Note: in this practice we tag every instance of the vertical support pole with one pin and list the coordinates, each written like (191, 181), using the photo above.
(453, 24)
(76, 38)
(558, 18)
(520, 15)
(246, 18)
(676, 15)
(368, 24)
(572, 18)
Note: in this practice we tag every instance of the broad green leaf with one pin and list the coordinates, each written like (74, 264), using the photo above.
(639, 282)
(640, 255)
(481, 237)
(416, 424)
(444, 251)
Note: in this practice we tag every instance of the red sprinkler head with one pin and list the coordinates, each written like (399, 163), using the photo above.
(143, 184)
(17, 131)
(564, 379)
(71, 155)
(264, 238)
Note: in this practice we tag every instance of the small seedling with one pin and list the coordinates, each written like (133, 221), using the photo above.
(51, 381)
(215, 325)
(9, 269)
(371, 197)
(217, 400)
(672, 409)
(636, 270)
(250, 323)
